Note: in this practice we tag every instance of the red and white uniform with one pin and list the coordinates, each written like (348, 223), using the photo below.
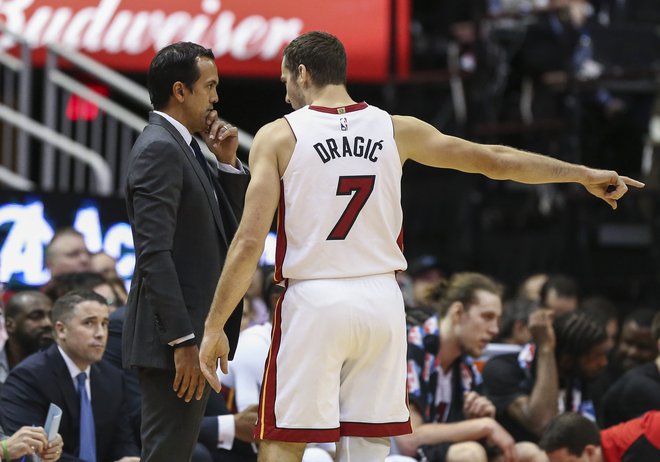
(340, 205)
(337, 362)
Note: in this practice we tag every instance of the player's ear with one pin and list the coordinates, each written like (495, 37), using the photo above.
(303, 75)
(455, 311)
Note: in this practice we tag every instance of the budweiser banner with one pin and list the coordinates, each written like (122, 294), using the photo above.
(247, 36)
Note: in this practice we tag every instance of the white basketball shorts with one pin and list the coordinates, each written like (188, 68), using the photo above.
(337, 362)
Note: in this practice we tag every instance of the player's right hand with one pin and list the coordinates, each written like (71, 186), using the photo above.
(215, 345)
(609, 185)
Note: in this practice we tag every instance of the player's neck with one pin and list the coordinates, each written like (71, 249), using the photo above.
(450, 348)
(330, 96)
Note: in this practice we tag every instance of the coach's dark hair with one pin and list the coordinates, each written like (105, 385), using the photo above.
(577, 334)
(65, 305)
(463, 287)
(174, 63)
(572, 431)
(322, 54)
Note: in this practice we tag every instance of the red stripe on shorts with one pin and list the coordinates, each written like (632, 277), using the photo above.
(280, 247)
(266, 417)
(375, 430)
(302, 435)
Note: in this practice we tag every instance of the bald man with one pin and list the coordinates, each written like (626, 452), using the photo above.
(67, 253)
(29, 328)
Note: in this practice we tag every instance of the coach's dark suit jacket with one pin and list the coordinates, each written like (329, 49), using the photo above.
(43, 378)
(181, 235)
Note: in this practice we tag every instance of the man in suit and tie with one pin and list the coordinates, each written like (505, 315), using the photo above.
(183, 210)
(70, 373)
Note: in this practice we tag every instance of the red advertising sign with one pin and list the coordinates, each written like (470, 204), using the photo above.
(247, 37)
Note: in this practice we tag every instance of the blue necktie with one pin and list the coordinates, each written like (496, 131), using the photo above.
(87, 432)
(200, 158)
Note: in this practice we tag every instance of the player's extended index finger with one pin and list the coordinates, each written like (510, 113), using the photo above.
(632, 182)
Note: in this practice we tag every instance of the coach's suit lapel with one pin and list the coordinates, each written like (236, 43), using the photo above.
(204, 180)
(63, 377)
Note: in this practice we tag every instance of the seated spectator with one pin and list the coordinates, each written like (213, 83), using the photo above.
(83, 280)
(106, 265)
(67, 253)
(605, 312)
(549, 376)
(71, 374)
(28, 327)
(573, 437)
(514, 328)
(634, 348)
(425, 273)
(638, 391)
(225, 436)
(636, 345)
(29, 441)
(530, 288)
(449, 417)
(559, 294)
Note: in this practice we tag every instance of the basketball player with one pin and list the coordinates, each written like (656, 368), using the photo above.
(336, 370)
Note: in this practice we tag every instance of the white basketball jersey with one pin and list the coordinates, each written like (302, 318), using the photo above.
(340, 206)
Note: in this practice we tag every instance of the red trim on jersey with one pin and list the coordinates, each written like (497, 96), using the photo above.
(280, 247)
(266, 417)
(340, 110)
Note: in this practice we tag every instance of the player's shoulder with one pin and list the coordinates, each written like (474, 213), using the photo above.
(276, 135)
(276, 128)
(404, 123)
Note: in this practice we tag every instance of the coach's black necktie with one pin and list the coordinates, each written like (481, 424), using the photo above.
(216, 189)
(201, 159)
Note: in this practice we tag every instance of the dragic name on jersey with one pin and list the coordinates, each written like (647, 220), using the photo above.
(340, 207)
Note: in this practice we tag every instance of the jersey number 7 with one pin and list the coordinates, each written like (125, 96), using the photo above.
(362, 185)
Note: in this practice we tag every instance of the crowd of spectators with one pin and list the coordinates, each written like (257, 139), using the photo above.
(526, 372)
(552, 76)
